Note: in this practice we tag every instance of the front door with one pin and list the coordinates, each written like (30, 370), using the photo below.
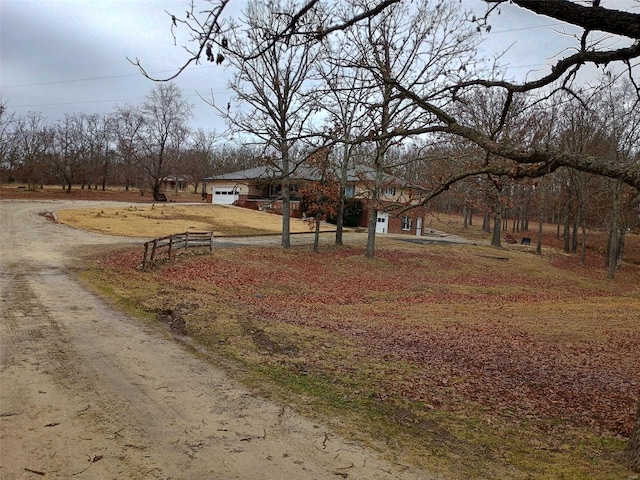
(382, 225)
(419, 227)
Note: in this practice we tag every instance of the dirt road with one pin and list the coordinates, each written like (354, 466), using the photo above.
(88, 393)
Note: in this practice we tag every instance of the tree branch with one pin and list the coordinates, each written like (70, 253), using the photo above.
(598, 18)
(559, 69)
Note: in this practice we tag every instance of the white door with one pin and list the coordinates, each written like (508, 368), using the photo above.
(224, 195)
(382, 225)
(419, 227)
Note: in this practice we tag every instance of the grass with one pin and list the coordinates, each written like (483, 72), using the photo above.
(472, 362)
(157, 220)
(442, 356)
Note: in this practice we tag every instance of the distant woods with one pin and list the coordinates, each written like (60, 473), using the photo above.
(135, 147)
(129, 148)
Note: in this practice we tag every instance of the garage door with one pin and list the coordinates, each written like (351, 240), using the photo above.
(225, 195)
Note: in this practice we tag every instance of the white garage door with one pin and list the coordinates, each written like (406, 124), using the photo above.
(225, 195)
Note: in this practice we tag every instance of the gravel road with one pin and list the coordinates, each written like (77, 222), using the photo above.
(88, 393)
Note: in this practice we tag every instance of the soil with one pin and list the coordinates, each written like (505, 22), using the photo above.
(87, 392)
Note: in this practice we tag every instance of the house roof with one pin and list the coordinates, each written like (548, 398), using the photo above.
(302, 172)
(263, 172)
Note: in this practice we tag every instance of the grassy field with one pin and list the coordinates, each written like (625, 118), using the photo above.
(471, 361)
(157, 220)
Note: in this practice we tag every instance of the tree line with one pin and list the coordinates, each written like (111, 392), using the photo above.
(135, 147)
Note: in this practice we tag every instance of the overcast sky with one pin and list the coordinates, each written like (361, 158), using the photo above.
(69, 56)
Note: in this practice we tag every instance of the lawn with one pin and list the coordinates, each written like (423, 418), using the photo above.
(158, 220)
(470, 361)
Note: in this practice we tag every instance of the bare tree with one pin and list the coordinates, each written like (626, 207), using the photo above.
(31, 140)
(128, 122)
(69, 149)
(8, 147)
(273, 105)
(197, 162)
(623, 124)
(528, 160)
(99, 135)
(418, 48)
(341, 96)
(165, 114)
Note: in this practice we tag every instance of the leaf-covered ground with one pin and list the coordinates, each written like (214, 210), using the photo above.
(420, 329)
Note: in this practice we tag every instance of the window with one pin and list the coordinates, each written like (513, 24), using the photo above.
(406, 223)
(390, 190)
(350, 191)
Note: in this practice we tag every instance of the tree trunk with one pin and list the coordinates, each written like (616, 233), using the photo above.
(630, 458)
(340, 218)
(286, 197)
(613, 239)
(583, 243)
(574, 237)
(286, 214)
(495, 240)
(344, 172)
(621, 239)
(371, 234)
(316, 238)
(486, 222)
(527, 212)
(566, 233)
(540, 222)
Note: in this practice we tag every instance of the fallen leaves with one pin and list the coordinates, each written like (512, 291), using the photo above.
(509, 337)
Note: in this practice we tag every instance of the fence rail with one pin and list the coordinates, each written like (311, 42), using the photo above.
(166, 247)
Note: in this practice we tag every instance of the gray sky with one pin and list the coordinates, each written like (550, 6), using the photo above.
(69, 56)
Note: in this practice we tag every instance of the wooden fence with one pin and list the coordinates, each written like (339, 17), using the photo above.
(166, 247)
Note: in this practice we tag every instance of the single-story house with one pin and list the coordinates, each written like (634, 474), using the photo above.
(175, 183)
(259, 188)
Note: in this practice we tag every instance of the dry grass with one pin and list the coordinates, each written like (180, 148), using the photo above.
(157, 220)
(434, 351)
(361, 343)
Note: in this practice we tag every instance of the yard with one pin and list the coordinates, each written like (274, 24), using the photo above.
(471, 361)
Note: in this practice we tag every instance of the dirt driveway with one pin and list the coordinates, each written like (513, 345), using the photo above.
(86, 392)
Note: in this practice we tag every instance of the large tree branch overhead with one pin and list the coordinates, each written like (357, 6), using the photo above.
(312, 21)
(597, 18)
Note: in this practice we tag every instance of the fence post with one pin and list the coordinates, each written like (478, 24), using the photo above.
(153, 250)
(180, 240)
(146, 249)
